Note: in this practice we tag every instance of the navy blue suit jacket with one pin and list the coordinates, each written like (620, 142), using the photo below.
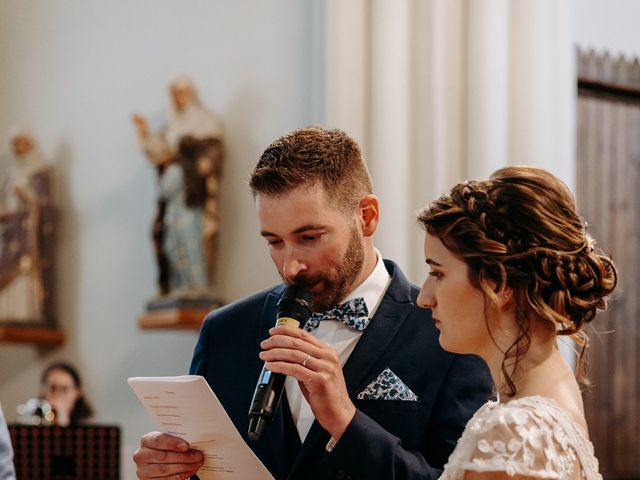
(387, 439)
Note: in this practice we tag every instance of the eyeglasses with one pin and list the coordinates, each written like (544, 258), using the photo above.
(61, 389)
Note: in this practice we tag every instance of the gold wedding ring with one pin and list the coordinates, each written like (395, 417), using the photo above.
(306, 360)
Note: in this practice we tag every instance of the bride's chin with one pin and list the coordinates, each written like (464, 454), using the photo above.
(450, 347)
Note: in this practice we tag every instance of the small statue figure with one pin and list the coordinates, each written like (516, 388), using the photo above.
(188, 156)
(26, 236)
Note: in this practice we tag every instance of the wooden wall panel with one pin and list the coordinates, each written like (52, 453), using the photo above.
(608, 195)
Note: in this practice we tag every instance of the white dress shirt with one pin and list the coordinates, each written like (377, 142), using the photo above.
(339, 336)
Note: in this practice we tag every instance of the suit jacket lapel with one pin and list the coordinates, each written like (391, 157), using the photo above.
(394, 308)
(374, 342)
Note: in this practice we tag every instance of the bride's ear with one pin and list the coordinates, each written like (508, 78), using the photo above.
(505, 295)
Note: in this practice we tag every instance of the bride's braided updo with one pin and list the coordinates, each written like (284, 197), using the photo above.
(520, 230)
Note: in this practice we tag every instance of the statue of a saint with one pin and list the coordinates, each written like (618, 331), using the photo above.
(26, 236)
(188, 156)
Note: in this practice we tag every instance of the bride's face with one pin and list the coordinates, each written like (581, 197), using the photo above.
(458, 308)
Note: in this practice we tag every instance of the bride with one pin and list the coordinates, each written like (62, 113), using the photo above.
(511, 267)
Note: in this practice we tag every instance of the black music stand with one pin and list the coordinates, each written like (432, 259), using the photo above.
(66, 453)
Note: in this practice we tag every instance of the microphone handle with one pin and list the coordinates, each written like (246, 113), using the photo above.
(268, 391)
(265, 401)
(293, 311)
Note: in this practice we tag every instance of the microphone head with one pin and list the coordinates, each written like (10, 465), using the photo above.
(296, 303)
(297, 293)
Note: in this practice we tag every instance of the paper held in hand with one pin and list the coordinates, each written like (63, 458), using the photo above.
(186, 407)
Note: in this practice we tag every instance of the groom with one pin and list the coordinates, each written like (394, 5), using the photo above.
(373, 397)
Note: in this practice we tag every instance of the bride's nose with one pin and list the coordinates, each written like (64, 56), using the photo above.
(426, 299)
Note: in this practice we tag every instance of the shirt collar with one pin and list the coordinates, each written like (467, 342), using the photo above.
(374, 287)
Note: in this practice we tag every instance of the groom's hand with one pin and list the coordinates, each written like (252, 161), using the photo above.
(316, 366)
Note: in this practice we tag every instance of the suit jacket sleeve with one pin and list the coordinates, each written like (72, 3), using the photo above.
(199, 359)
(366, 450)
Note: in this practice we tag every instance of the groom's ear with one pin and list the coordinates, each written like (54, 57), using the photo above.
(369, 214)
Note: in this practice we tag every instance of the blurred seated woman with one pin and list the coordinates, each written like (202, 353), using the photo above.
(62, 388)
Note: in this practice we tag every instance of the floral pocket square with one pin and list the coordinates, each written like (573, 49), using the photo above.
(387, 386)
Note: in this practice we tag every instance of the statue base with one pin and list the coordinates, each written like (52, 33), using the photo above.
(172, 311)
(39, 335)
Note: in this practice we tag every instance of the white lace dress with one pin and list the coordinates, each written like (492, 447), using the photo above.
(529, 436)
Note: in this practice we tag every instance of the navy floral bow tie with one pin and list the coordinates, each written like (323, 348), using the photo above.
(353, 313)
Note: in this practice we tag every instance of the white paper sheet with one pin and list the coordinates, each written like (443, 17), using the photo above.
(186, 407)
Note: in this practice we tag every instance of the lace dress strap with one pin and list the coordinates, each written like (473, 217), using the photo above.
(583, 447)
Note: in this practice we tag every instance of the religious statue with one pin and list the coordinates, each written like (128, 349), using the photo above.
(188, 156)
(27, 216)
